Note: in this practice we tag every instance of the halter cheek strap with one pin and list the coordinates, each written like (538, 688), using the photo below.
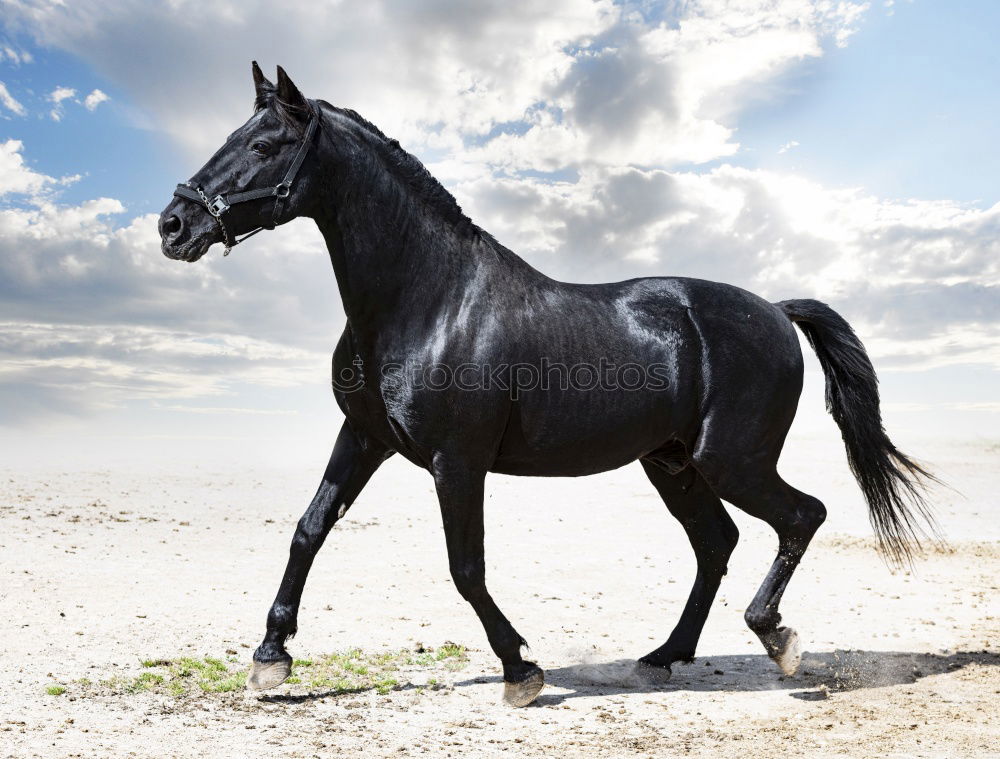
(219, 205)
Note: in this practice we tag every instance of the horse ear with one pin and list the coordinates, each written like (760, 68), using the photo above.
(289, 96)
(262, 86)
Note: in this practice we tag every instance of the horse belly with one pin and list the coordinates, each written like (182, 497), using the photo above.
(570, 435)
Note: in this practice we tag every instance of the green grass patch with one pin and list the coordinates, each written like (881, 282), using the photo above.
(145, 681)
(450, 651)
(177, 677)
(385, 684)
(350, 671)
(55, 690)
(356, 670)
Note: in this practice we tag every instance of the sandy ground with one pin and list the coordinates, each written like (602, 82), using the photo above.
(102, 569)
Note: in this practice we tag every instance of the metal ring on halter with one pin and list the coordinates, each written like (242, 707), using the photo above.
(216, 207)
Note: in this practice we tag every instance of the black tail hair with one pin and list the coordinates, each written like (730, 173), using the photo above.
(892, 483)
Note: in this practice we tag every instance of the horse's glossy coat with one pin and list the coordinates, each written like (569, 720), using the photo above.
(423, 287)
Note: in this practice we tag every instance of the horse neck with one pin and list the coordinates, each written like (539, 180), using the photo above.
(397, 259)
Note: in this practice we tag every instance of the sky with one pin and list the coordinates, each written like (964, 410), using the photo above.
(837, 150)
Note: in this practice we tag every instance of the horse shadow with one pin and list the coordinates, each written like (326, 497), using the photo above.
(819, 674)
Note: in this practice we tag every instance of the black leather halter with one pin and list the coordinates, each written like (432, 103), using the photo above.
(220, 204)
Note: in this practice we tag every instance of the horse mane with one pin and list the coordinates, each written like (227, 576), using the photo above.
(413, 174)
(406, 167)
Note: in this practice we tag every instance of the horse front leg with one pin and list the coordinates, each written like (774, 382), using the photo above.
(460, 493)
(351, 466)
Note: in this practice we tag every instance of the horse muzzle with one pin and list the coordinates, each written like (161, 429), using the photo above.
(181, 238)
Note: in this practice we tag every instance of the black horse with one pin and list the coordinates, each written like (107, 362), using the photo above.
(464, 359)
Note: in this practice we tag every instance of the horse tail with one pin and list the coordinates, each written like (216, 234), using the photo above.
(893, 484)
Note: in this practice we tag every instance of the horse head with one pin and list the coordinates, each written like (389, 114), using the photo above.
(257, 180)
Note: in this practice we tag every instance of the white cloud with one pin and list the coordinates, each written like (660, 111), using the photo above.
(94, 99)
(215, 410)
(57, 96)
(596, 81)
(788, 146)
(15, 56)
(17, 178)
(667, 94)
(112, 364)
(61, 94)
(9, 102)
(445, 66)
(662, 94)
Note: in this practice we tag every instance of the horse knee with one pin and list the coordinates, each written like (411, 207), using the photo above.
(307, 538)
(301, 541)
(469, 579)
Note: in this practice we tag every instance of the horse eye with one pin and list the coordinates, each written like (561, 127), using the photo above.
(260, 148)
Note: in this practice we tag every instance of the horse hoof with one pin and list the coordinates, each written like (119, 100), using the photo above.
(653, 673)
(789, 655)
(269, 674)
(525, 691)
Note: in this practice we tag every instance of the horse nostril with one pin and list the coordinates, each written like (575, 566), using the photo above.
(172, 226)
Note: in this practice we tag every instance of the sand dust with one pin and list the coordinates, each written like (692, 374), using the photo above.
(104, 569)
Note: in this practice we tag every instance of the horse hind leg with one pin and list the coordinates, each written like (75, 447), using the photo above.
(713, 536)
(795, 517)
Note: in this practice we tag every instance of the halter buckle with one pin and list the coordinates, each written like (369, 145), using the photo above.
(282, 190)
(218, 206)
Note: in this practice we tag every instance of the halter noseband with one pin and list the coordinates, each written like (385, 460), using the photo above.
(220, 204)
